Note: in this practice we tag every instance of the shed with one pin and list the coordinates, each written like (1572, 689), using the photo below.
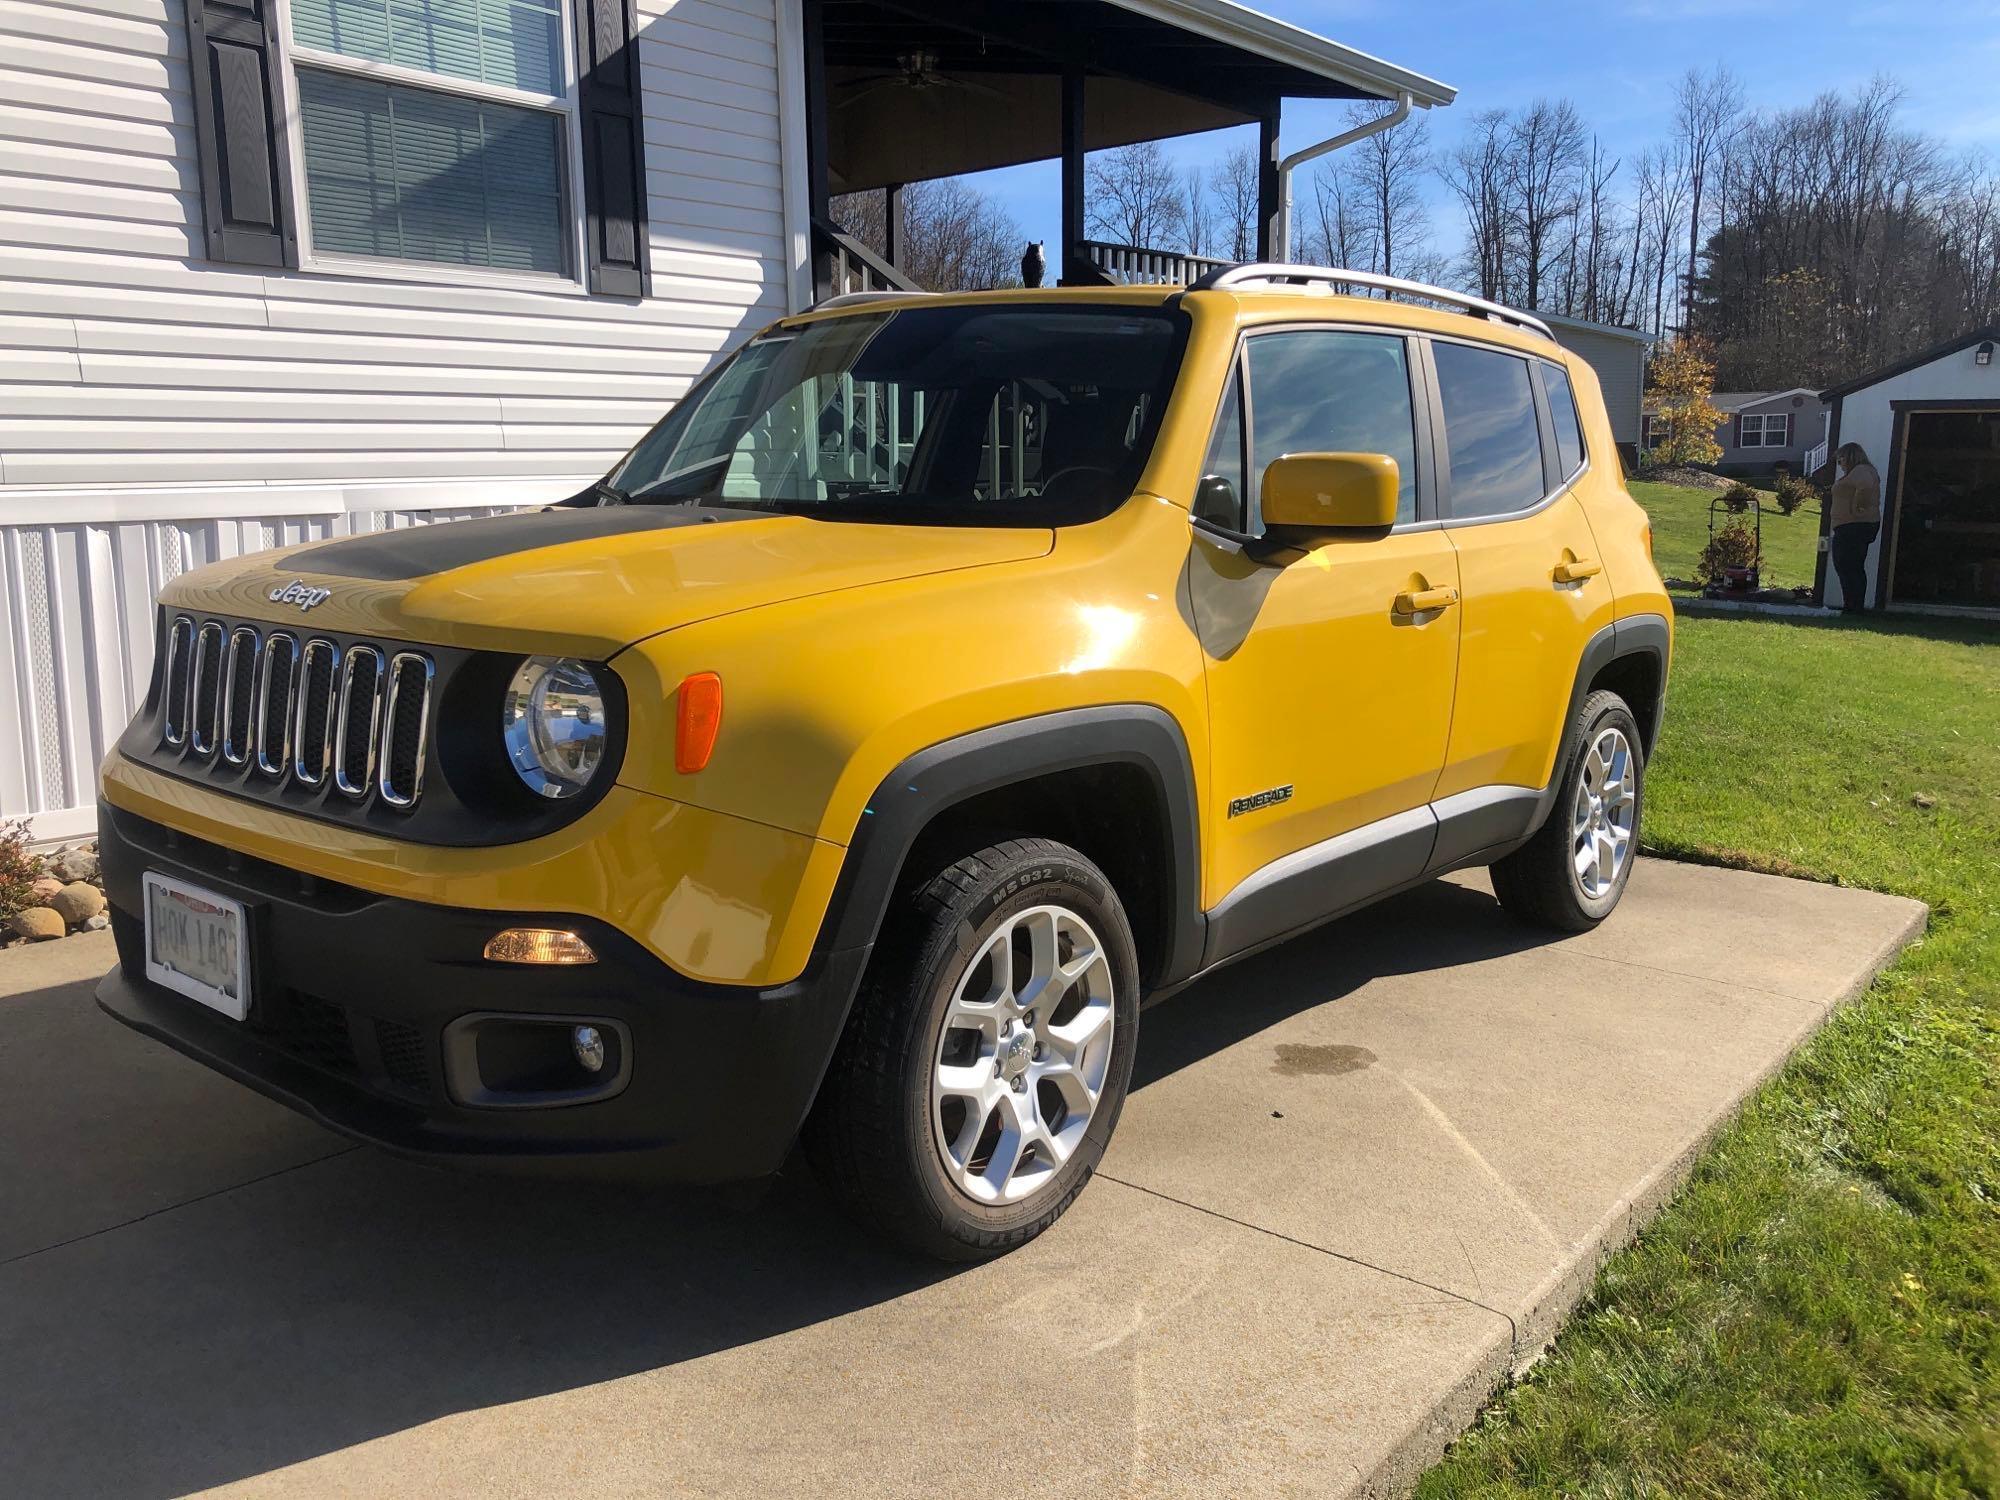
(1618, 355)
(1931, 426)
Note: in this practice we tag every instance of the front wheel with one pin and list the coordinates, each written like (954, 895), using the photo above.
(1570, 875)
(982, 1072)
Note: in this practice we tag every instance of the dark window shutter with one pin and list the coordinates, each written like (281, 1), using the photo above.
(614, 150)
(1736, 435)
(245, 186)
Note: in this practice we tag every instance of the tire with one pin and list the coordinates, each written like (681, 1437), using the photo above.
(938, 1036)
(1541, 882)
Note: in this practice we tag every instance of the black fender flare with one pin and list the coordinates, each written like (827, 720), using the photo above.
(952, 771)
(1635, 635)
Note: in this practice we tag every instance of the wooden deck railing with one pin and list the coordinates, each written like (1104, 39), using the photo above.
(853, 267)
(1136, 265)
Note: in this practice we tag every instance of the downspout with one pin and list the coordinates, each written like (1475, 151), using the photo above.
(1405, 102)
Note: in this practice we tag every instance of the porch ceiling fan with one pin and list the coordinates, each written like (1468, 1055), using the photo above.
(916, 72)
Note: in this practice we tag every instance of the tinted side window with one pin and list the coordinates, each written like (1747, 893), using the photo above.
(1491, 429)
(1219, 498)
(1563, 413)
(1314, 392)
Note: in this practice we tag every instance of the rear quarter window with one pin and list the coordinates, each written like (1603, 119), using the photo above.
(1565, 418)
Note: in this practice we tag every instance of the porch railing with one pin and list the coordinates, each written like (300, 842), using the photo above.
(1136, 265)
(843, 264)
(1815, 459)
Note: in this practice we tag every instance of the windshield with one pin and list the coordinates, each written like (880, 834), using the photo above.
(971, 415)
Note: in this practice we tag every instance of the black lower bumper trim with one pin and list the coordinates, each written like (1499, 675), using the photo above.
(354, 993)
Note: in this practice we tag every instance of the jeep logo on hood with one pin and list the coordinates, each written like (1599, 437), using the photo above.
(303, 594)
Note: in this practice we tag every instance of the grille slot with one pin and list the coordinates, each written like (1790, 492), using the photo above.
(206, 711)
(360, 721)
(277, 697)
(405, 729)
(180, 667)
(316, 1032)
(239, 700)
(319, 665)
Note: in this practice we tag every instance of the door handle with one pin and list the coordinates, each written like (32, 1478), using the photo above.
(1423, 601)
(1578, 569)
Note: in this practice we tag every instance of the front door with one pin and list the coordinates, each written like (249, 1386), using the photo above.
(1328, 707)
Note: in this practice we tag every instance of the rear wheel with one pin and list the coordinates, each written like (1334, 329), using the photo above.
(986, 1062)
(1570, 875)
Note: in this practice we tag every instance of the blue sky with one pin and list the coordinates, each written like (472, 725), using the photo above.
(1618, 61)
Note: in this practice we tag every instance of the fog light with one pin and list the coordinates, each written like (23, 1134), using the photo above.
(538, 945)
(588, 1044)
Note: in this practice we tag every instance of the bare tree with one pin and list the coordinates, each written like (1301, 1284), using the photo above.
(1708, 108)
(1132, 194)
(955, 238)
(1476, 174)
(1232, 185)
(1337, 230)
(1198, 224)
(1388, 168)
(1544, 159)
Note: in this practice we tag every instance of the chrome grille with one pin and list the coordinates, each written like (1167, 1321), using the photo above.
(319, 669)
(180, 651)
(298, 711)
(360, 721)
(239, 679)
(277, 689)
(206, 692)
(406, 728)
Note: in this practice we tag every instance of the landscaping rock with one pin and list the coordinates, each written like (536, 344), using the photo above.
(37, 923)
(73, 864)
(44, 887)
(77, 902)
(97, 923)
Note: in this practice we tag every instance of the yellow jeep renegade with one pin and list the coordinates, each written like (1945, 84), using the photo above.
(939, 679)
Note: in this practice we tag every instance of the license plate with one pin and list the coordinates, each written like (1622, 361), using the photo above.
(194, 945)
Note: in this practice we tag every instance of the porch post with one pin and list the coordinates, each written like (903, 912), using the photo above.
(892, 225)
(813, 15)
(1269, 209)
(1075, 267)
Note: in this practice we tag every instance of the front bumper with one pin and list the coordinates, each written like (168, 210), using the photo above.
(352, 993)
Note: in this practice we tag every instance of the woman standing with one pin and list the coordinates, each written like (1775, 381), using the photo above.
(1856, 516)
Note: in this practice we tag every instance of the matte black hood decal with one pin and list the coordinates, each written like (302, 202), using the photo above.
(419, 551)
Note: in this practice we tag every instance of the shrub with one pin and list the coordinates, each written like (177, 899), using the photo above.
(1793, 491)
(1733, 546)
(18, 868)
(1739, 497)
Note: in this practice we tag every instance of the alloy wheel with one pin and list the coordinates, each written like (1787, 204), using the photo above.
(1601, 820)
(1022, 1055)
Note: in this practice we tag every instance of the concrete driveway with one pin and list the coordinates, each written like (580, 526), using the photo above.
(1361, 1178)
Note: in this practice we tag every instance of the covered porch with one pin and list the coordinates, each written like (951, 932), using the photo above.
(904, 91)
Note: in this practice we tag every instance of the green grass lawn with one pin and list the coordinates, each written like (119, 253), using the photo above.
(1817, 1313)
(1680, 531)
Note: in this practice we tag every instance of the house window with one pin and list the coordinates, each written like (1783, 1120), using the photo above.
(1770, 430)
(436, 131)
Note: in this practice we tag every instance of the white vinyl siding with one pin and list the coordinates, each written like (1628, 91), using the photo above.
(1619, 361)
(158, 410)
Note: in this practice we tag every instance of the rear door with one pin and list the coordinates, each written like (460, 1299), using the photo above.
(1510, 453)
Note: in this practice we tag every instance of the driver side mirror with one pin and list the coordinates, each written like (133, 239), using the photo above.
(1308, 494)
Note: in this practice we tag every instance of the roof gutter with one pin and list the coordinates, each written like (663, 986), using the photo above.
(1405, 101)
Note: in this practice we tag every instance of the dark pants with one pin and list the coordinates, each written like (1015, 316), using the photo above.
(1850, 561)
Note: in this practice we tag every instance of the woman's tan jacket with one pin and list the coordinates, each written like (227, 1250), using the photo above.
(1857, 496)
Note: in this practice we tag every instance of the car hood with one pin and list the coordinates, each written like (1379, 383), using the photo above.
(579, 581)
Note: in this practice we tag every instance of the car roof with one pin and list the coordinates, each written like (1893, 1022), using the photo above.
(1251, 306)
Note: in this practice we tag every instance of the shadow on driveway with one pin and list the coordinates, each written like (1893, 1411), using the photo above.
(280, 1307)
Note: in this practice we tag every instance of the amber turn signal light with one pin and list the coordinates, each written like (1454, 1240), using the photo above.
(697, 720)
(538, 945)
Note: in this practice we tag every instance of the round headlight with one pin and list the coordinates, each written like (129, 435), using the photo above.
(553, 721)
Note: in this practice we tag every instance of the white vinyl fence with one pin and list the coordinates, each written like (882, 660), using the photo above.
(78, 576)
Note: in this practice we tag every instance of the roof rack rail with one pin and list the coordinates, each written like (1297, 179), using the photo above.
(1273, 273)
(855, 299)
